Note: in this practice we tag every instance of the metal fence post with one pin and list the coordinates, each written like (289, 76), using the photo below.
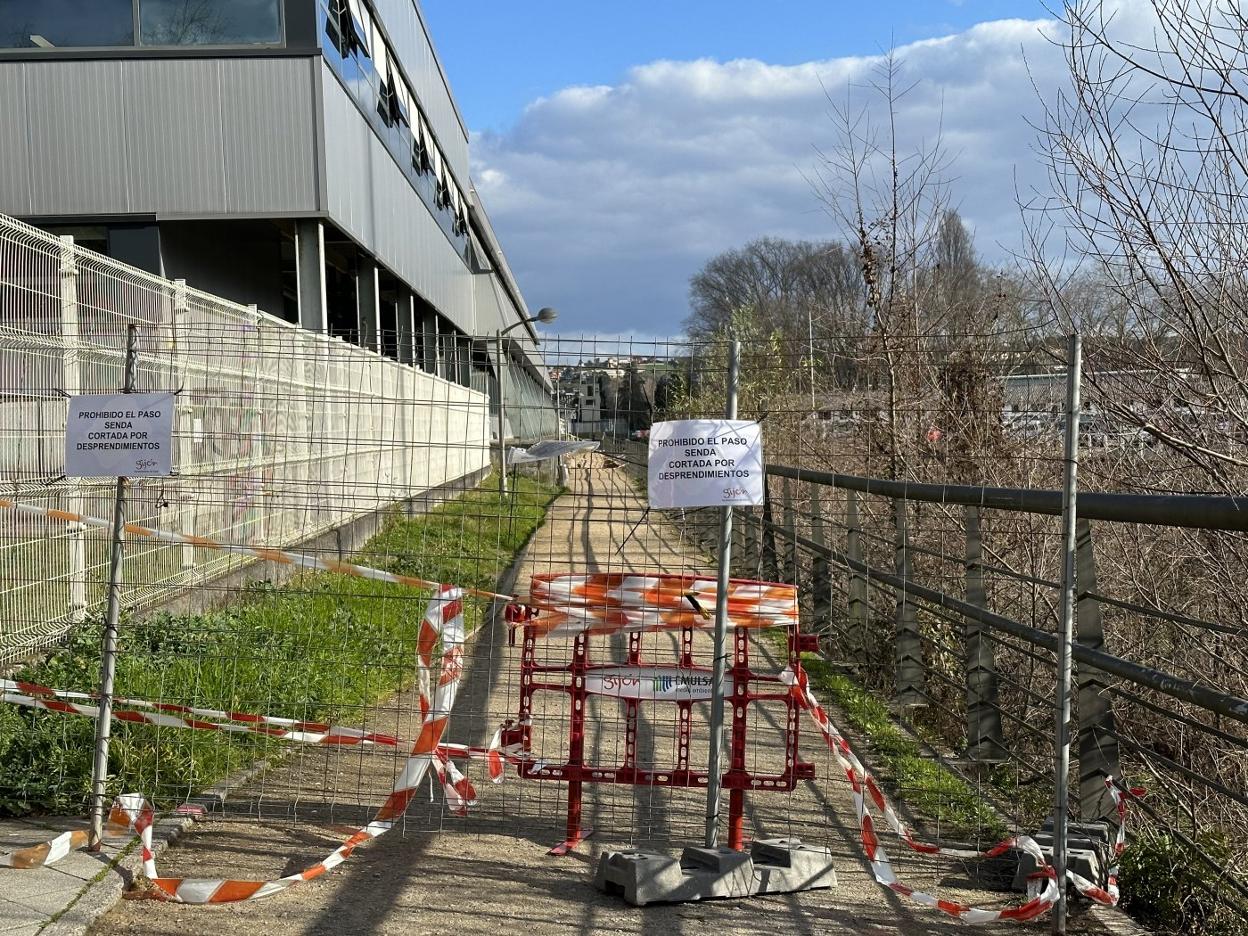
(185, 425)
(1098, 745)
(909, 652)
(1061, 740)
(821, 580)
(790, 532)
(714, 770)
(770, 561)
(984, 740)
(108, 650)
(71, 383)
(859, 599)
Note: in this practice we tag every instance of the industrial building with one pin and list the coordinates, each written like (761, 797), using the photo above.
(305, 156)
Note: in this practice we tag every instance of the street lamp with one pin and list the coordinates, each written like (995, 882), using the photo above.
(544, 317)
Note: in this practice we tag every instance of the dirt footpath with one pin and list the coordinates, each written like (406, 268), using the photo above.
(490, 873)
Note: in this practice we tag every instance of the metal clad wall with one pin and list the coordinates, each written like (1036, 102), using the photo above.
(77, 133)
(175, 158)
(403, 25)
(348, 165)
(270, 158)
(165, 137)
(14, 140)
(372, 200)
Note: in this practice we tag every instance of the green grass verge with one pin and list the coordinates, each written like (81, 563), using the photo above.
(1165, 886)
(323, 647)
(928, 789)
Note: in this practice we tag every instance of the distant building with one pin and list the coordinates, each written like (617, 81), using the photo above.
(587, 390)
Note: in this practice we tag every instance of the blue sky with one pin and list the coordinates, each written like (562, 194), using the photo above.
(618, 146)
(536, 47)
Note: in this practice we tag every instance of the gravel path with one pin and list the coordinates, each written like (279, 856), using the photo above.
(490, 873)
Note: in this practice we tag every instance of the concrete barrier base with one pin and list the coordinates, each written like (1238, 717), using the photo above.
(1088, 848)
(771, 866)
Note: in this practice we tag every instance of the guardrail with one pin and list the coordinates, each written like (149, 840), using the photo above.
(853, 591)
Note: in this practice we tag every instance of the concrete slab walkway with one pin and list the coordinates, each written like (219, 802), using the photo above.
(31, 900)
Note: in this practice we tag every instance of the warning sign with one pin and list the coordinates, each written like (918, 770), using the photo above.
(116, 434)
(706, 463)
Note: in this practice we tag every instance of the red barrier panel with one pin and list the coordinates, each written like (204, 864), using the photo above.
(684, 685)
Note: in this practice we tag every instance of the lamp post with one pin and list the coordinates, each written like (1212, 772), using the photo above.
(545, 316)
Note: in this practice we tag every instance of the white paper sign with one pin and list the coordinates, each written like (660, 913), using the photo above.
(706, 463)
(115, 434)
(657, 683)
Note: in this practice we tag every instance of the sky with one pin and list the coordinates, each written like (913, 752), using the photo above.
(619, 146)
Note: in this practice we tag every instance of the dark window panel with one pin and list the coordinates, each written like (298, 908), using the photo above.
(30, 24)
(209, 22)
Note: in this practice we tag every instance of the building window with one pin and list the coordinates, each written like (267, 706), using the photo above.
(345, 30)
(390, 106)
(50, 24)
(209, 22)
(420, 146)
(54, 24)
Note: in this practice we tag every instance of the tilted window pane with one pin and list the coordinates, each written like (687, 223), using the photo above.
(209, 22)
(33, 24)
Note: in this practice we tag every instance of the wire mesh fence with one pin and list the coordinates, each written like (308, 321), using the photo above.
(302, 442)
(281, 435)
(887, 573)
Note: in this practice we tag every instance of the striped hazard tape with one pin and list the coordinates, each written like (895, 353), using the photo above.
(443, 623)
(444, 620)
(1043, 888)
(140, 711)
(170, 715)
(607, 603)
(118, 822)
(280, 556)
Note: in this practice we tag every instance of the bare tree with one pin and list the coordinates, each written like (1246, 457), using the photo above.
(1143, 246)
(931, 311)
(1148, 161)
(780, 282)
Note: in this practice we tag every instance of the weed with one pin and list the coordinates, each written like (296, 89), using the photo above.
(1162, 884)
(930, 790)
(324, 647)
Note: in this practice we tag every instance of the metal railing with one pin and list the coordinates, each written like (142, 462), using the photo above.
(280, 434)
(879, 617)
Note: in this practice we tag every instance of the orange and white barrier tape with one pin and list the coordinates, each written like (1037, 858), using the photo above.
(608, 603)
(169, 715)
(863, 785)
(140, 711)
(444, 622)
(1110, 894)
(119, 822)
(280, 556)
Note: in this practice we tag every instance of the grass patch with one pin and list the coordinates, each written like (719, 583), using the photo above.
(1165, 886)
(323, 647)
(928, 789)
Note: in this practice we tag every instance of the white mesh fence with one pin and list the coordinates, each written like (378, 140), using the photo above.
(280, 435)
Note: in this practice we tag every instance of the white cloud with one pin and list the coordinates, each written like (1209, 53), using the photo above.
(608, 198)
